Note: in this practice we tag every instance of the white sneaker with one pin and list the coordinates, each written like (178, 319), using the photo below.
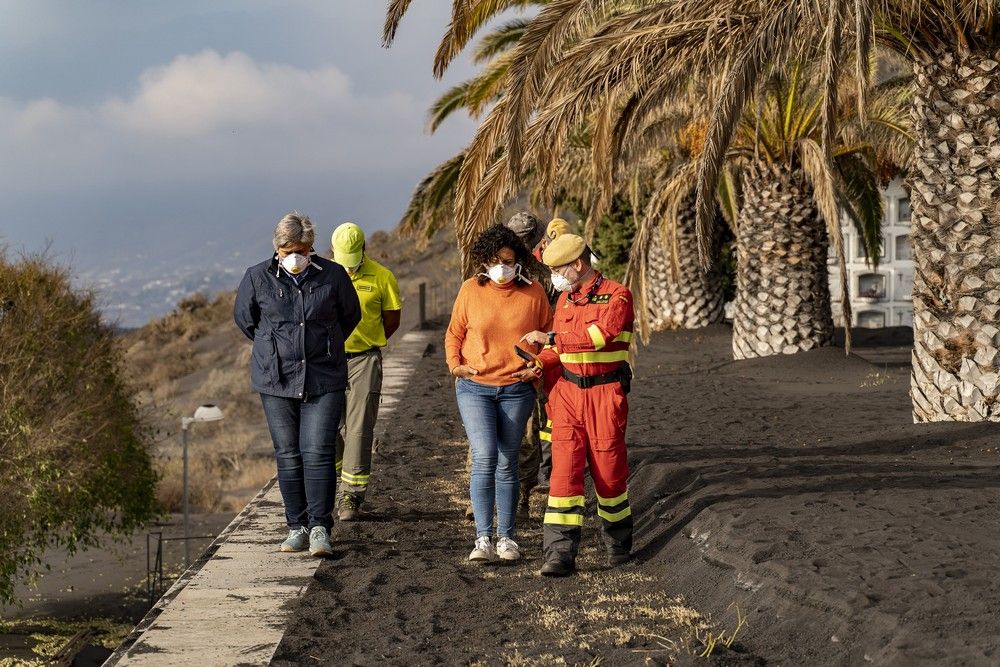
(319, 542)
(297, 540)
(483, 550)
(507, 549)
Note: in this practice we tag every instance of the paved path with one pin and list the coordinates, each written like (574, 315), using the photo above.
(231, 606)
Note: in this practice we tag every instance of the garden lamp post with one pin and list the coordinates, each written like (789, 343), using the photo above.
(204, 413)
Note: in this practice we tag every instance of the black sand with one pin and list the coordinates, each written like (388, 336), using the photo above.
(792, 491)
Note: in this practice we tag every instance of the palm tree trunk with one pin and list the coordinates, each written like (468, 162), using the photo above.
(782, 286)
(956, 248)
(695, 298)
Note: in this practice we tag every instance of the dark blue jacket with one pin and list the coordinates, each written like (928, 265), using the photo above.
(298, 331)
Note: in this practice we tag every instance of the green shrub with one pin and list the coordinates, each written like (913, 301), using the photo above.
(613, 239)
(74, 454)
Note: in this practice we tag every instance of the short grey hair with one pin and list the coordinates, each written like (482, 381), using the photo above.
(294, 228)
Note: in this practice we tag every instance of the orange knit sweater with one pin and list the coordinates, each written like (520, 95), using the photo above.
(487, 321)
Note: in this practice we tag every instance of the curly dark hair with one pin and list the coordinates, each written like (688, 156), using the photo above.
(488, 245)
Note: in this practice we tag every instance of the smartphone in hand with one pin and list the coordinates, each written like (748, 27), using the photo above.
(525, 354)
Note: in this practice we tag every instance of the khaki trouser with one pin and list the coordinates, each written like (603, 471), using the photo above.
(535, 460)
(357, 431)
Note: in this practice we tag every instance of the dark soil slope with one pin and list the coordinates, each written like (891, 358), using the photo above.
(793, 492)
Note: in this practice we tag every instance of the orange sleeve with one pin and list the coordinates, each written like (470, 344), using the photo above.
(616, 318)
(457, 327)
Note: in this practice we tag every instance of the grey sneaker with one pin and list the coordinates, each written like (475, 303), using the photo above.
(483, 550)
(507, 549)
(350, 508)
(319, 542)
(297, 540)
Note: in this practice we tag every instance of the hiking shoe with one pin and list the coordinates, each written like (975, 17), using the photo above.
(319, 542)
(523, 511)
(350, 508)
(619, 558)
(507, 549)
(483, 551)
(297, 540)
(557, 568)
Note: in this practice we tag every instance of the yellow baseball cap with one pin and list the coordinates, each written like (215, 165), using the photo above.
(563, 250)
(556, 228)
(348, 245)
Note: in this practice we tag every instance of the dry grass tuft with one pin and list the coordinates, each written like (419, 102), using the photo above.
(876, 378)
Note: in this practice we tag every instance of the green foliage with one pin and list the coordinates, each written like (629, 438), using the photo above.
(74, 453)
(613, 239)
(48, 636)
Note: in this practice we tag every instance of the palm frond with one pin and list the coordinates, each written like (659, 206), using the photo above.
(730, 197)
(432, 205)
(863, 48)
(452, 100)
(393, 15)
(499, 40)
(862, 200)
(468, 17)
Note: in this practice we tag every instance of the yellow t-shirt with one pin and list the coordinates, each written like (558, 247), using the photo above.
(378, 292)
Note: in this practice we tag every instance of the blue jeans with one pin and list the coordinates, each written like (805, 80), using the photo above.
(494, 418)
(304, 433)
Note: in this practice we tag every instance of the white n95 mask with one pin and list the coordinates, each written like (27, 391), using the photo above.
(561, 282)
(295, 263)
(501, 274)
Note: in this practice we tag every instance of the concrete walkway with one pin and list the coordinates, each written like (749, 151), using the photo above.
(232, 605)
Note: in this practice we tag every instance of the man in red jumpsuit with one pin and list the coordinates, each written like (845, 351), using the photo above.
(585, 364)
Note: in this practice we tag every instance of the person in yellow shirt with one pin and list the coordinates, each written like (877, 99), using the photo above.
(380, 314)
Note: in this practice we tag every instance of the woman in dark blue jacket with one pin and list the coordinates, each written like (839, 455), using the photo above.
(298, 308)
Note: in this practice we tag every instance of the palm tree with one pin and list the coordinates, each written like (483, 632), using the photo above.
(671, 287)
(950, 46)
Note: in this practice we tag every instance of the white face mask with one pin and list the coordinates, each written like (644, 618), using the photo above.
(561, 282)
(501, 274)
(295, 263)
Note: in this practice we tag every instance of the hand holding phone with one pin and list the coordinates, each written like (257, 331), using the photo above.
(533, 366)
(529, 357)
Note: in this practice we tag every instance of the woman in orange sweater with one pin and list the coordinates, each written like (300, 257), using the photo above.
(494, 391)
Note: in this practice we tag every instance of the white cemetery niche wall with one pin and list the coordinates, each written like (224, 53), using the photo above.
(879, 297)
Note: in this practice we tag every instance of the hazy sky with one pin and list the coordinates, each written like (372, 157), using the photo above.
(178, 130)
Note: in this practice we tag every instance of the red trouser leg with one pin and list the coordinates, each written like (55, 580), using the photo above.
(605, 419)
(564, 513)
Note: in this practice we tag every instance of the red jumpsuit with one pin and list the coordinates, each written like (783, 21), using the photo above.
(592, 338)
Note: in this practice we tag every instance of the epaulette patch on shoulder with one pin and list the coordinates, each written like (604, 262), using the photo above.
(600, 298)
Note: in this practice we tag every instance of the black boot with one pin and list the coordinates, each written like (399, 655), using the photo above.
(616, 558)
(557, 567)
(523, 509)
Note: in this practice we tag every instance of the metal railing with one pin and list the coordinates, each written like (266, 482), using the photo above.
(436, 300)
(155, 586)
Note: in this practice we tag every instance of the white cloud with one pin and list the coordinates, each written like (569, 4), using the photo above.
(197, 94)
(209, 117)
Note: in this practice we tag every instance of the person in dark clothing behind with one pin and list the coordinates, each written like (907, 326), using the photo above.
(535, 458)
(298, 308)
